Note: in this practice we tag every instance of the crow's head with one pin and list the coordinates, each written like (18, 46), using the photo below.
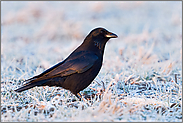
(98, 38)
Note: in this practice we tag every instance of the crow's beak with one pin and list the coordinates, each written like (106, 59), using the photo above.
(111, 35)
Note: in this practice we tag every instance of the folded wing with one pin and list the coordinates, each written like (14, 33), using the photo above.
(74, 64)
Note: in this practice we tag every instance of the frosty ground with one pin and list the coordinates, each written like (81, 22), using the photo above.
(141, 76)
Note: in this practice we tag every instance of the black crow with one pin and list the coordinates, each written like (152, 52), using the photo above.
(79, 69)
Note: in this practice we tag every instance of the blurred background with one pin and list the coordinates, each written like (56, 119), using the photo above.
(36, 29)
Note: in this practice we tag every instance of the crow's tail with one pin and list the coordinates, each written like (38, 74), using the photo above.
(30, 85)
(57, 81)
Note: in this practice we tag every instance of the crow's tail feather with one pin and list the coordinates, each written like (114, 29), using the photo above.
(30, 85)
(57, 81)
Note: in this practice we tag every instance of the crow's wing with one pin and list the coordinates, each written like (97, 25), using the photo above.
(76, 63)
(45, 72)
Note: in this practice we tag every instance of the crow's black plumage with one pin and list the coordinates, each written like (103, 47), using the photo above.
(79, 69)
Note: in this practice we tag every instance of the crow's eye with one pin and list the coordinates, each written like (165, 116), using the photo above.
(101, 31)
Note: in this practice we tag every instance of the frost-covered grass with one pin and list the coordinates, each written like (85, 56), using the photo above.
(141, 76)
